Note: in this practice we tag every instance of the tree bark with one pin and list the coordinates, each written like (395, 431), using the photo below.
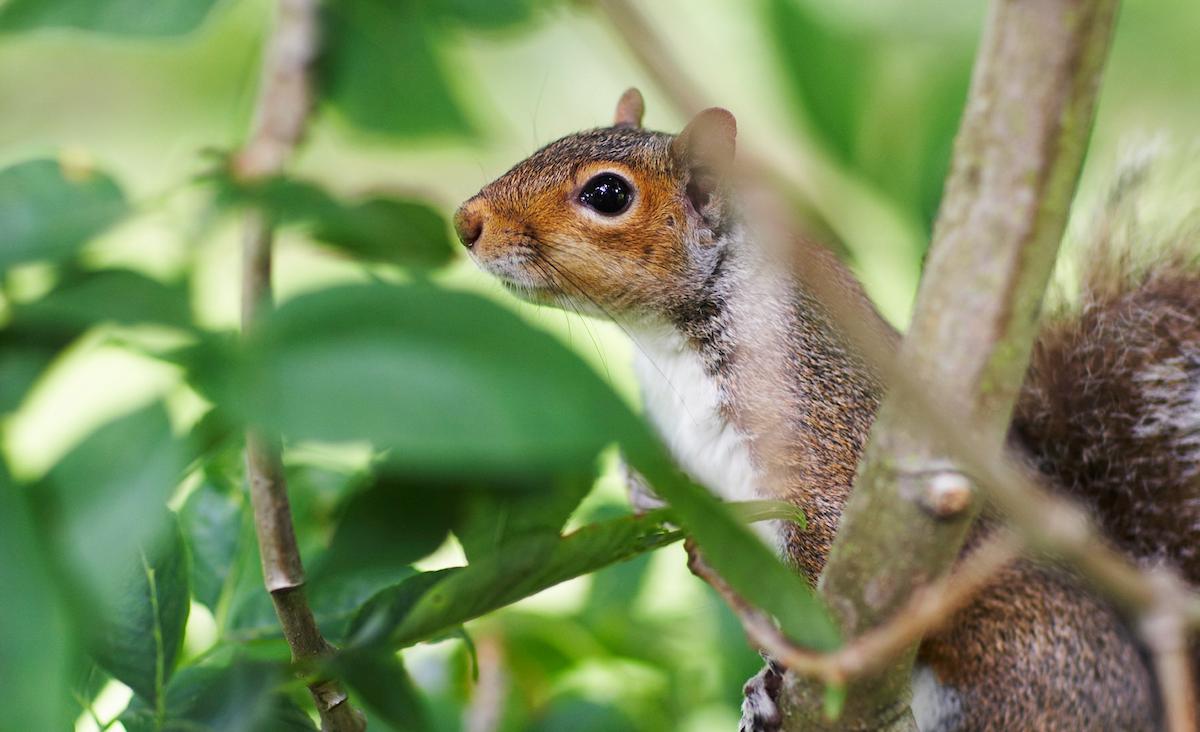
(1016, 161)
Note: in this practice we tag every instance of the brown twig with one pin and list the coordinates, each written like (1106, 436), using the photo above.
(281, 115)
(926, 610)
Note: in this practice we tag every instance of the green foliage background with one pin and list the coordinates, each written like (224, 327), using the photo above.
(439, 435)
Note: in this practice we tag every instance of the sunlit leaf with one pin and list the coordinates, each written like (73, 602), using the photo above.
(35, 639)
(432, 603)
(118, 17)
(138, 631)
(238, 698)
(381, 70)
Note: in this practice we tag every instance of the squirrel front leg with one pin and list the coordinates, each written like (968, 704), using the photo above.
(642, 497)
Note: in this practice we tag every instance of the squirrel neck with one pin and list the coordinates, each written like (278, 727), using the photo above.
(751, 388)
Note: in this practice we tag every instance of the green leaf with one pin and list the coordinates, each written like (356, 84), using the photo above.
(381, 70)
(115, 296)
(736, 553)
(139, 631)
(384, 684)
(433, 603)
(388, 230)
(211, 520)
(489, 15)
(36, 642)
(47, 215)
(377, 229)
(119, 17)
(238, 698)
(495, 515)
(829, 69)
(450, 382)
(105, 498)
(394, 522)
(25, 354)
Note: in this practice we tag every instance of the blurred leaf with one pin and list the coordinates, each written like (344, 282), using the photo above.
(583, 715)
(736, 553)
(394, 522)
(25, 353)
(425, 606)
(384, 684)
(377, 229)
(829, 69)
(47, 215)
(106, 498)
(494, 517)
(237, 698)
(211, 520)
(485, 14)
(388, 230)
(118, 296)
(120, 17)
(381, 69)
(447, 381)
(35, 639)
(139, 631)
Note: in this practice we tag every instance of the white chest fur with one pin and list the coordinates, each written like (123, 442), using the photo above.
(684, 404)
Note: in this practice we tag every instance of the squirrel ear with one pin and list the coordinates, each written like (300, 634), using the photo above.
(704, 151)
(630, 108)
(707, 141)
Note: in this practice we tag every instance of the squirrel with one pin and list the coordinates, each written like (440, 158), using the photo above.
(642, 227)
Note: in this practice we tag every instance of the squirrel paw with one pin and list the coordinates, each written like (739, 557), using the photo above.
(641, 496)
(759, 710)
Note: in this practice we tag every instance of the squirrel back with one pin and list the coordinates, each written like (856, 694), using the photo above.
(641, 228)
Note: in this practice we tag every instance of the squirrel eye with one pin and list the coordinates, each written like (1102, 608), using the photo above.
(607, 193)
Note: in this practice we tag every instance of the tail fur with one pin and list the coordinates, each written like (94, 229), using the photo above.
(1111, 405)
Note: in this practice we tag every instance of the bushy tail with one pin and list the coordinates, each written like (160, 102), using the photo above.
(1111, 405)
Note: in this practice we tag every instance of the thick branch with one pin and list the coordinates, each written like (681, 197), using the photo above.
(281, 115)
(1016, 161)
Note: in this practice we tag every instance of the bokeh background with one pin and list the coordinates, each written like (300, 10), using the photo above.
(859, 100)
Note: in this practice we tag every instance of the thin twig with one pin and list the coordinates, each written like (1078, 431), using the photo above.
(926, 610)
(1164, 630)
(281, 115)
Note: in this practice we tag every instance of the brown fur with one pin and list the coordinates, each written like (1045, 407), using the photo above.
(1035, 650)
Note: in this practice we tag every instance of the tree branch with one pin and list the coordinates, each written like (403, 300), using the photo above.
(281, 116)
(1052, 116)
(1017, 157)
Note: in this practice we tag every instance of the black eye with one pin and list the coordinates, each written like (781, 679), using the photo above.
(607, 193)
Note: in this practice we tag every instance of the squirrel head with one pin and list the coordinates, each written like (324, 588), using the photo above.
(616, 221)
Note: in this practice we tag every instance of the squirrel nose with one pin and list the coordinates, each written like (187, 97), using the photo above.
(468, 224)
